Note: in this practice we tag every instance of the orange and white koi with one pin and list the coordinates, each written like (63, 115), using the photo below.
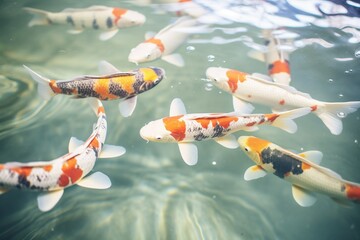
(163, 44)
(301, 170)
(113, 85)
(247, 89)
(275, 57)
(52, 177)
(184, 128)
(97, 17)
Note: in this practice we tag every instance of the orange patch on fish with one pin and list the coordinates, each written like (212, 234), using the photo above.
(222, 121)
(234, 77)
(101, 110)
(176, 127)
(305, 166)
(54, 87)
(48, 168)
(271, 117)
(126, 83)
(256, 144)
(157, 42)
(353, 192)
(313, 108)
(24, 171)
(118, 12)
(101, 86)
(282, 102)
(1, 167)
(279, 67)
(71, 170)
(149, 74)
(95, 143)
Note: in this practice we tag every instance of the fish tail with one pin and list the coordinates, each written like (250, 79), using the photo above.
(284, 120)
(44, 88)
(96, 106)
(332, 113)
(40, 17)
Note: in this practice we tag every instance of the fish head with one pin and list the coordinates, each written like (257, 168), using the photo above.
(218, 77)
(144, 52)
(152, 75)
(253, 147)
(131, 18)
(155, 131)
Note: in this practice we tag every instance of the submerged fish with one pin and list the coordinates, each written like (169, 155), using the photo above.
(247, 89)
(113, 85)
(163, 44)
(301, 170)
(97, 17)
(51, 177)
(184, 128)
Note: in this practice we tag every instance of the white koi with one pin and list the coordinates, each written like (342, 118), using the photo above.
(52, 177)
(247, 89)
(301, 170)
(97, 17)
(184, 128)
(163, 44)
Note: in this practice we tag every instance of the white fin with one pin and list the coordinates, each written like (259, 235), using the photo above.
(127, 106)
(228, 141)
(3, 190)
(332, 113)
(74, 143)
(313, 156)
(303, 197)
(262, 76)
(254, 172)
(46, 201)
(44, 88)
(108, 34)
(285, 119)
(250, 129)
(189, 153)
(40, 17)
(75, 31)
(175, 59)
(111, 151)
(95, 104)
(149, 34)
(107, 68)
(177, 107)
(242, 106)
(97, 180)
(256, 55)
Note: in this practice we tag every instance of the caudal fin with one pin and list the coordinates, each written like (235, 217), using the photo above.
(44, 88)
(332, 113)
(40, 17)
(284, 120)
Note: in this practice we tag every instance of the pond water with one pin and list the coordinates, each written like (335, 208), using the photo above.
(154, 194)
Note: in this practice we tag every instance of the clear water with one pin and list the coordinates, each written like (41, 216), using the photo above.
(154, 194)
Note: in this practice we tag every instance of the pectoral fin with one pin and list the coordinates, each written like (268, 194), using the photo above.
(47, 201)
(107, 35)
(3, 190)
(313, 156)
(254, 172)
(228, 141)
(175, 59)
(127, 106)
(189, 153)
(97, 180)
(303, 197)
(242, 106)
(111, 151)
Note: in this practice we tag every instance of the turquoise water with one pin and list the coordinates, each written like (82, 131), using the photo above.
(154, 194)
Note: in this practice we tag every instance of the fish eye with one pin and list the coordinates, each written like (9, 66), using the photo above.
(246, 149)
(158, 137)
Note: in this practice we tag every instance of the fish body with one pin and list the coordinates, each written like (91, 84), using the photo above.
(247, 89)
(112, 86)
(52, 177)
(184, 128)
(163, 44)
(96, 17)
(301, 170)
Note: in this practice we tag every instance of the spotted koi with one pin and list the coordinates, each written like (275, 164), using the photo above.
(97, 17)
(184, 128)
(247, 89)
(114, 85)
(301, 170)
(52, 177)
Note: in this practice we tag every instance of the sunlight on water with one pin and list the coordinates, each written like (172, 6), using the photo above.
(154, 194)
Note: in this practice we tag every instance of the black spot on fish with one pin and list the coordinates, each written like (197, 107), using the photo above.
(23, 182)
(38, 178)
(70, 20)
(109, 22)
(95, 25)
(117, 90)
(271, 66)
(282, 163)
(267, 42)
(200, 136)
(218, 131)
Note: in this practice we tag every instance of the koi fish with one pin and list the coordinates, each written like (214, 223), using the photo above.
(247, 89)
(301, 170)
(96, 17)
(276, 58)
(52, 177)
(184, 128)
(112, 85)
(163, 44)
